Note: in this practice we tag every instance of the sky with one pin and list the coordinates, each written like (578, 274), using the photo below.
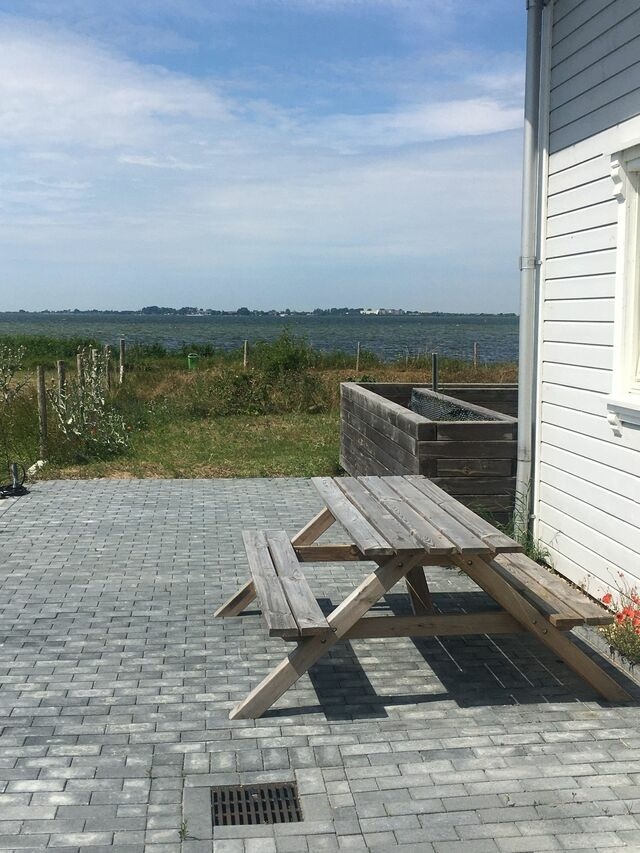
(267, 153)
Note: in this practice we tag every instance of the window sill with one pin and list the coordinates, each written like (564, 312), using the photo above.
(624, 411)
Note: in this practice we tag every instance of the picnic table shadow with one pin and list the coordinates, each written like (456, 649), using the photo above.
(469, 671)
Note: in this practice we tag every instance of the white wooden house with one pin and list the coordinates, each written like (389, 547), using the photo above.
(580, 382)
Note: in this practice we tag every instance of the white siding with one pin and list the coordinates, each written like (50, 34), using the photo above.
(587, 477)
(595, 68)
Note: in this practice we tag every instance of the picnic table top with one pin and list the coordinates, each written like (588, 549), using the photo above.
(408, 515)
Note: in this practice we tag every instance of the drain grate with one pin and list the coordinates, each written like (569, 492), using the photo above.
(249, 805)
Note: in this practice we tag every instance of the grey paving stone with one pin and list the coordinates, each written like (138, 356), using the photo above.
(116, 684)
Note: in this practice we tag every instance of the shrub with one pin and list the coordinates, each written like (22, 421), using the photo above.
(86, 418)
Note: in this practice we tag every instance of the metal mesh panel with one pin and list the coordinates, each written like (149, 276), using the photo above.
(250, 805)
(436, 409)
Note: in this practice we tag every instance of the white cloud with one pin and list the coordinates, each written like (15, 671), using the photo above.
(57, 89)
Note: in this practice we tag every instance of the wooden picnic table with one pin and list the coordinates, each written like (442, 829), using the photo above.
(403, 524)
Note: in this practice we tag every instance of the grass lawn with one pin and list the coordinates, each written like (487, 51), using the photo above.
(287, 445)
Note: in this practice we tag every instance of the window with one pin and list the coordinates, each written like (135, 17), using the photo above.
(624, 404)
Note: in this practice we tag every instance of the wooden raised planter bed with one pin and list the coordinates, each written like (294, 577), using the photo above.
(472, 459)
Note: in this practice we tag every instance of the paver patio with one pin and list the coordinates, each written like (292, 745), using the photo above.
(116, 683)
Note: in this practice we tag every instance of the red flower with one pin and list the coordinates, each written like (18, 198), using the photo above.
(607, 599)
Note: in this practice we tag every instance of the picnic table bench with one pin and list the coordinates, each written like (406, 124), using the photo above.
(403, 524)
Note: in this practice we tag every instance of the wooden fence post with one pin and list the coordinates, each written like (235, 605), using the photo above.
(475, 353)
(79, 369)
(42, 411)
(107, 368)
(358, 358)
(434, 371)
(62, 378)
(122, 352)
(245, 354)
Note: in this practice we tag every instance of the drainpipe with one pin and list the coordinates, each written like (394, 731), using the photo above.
(527, 369)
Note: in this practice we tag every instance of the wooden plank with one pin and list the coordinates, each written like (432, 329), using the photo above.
(311, 649)
(356, 461)
(304, 607)
(514, 603)
(503, 430)
(363, 534)
(273, 603)
(419, 593)
(315, 528)
(429, 536)
(398, 415)
(238, 602)
(405, 459)
(590, 612)
(475, 486)
(383, 455)
(382, 424)
(378, 515)
(552, 607)
(440, 625)
(468, 468)
(470, 449)
(495, 539)
(464, 540)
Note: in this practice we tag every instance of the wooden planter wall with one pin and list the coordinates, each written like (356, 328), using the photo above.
(473, 460)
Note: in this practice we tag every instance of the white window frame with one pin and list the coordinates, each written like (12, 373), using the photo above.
(624, 403)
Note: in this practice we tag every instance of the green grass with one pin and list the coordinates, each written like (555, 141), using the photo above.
(279, 418)
(286, 445)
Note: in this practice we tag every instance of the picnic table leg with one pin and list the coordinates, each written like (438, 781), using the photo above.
(315, 528)
(419, 593)
(238, 602)
(310, 650)
(515, 604)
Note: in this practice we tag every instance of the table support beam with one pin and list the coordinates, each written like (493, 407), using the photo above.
(418, 588)
(238, 602)
(310, 650)
(515, 604)
(315, 528)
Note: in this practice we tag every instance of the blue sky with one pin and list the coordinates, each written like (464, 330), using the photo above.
(268, 153)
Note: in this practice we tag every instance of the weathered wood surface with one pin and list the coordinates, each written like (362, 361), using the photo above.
(515, 603)
(438, 625)
(495, 539)
(312, 649)
(355, 460)
(590, 612)
(362, 533)
(379, 422)
(238, 602)
(387, 455)
(466, 541)
(383, 444)
(465, 468)
(305, 609)
(384, 521)
(315, 528)
(381, 438)
(419, 592)
(423, 530)
(273, 603)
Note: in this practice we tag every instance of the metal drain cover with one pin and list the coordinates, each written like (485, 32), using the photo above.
(249, 805)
